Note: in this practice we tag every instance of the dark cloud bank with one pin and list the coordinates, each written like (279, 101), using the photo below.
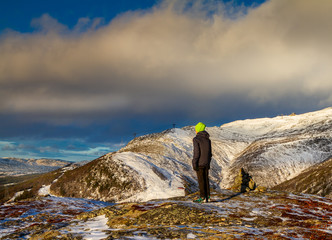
(174, 63)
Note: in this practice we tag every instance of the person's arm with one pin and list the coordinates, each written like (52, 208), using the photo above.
(210, 150)
(196, 154)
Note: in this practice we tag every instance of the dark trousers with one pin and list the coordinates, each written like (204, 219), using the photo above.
(203, 182)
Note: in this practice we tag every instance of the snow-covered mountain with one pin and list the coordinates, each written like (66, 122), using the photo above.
(21, 166)
(155, 166)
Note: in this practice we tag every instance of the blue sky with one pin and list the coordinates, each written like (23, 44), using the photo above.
(17, 15)
(79, 79)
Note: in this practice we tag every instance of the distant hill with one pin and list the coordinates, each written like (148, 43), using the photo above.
(272, 150)
(314, 180)
(14, 188)
(21, 166)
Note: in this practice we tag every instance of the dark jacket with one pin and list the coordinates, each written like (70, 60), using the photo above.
(202, 151)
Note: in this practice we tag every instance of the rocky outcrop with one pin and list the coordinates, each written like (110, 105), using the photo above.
(244, 183)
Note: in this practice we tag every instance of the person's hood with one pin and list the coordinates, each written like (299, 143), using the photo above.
(204, 134)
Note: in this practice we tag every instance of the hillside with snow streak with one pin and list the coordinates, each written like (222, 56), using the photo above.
(156, 166)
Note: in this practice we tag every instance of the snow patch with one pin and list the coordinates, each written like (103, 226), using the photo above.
(15, 196)
(44, 190)
(92, 229)
(170, 185)
(191, 236)
(18, 194)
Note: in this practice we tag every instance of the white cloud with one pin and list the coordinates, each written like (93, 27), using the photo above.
(96, 151)
(170, 57)
(7, 146)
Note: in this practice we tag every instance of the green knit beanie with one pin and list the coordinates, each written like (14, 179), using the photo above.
(200, 127)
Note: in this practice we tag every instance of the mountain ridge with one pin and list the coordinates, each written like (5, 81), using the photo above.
(272, 150)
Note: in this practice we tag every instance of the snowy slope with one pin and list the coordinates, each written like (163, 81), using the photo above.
(273, 150)
(280, 148)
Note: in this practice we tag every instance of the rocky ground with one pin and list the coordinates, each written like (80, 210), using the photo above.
(229, 215)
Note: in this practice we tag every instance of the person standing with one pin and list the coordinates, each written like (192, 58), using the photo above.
(201, 161)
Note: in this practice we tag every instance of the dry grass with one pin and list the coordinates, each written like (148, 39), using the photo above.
(34, 184)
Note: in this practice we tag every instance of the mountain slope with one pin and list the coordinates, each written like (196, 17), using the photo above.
(31, 186)
(314, 180)
(272, 150)
(103, 179)
(272, 161)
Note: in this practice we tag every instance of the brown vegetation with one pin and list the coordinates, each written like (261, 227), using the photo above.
(102, 179)
(315, 180)
(30, 186)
